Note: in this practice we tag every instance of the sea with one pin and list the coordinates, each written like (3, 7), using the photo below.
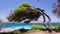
(19, 25)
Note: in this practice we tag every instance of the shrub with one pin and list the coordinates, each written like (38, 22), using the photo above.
(37, 26)
(58, 25)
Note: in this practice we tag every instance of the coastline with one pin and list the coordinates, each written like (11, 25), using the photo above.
(7, 30)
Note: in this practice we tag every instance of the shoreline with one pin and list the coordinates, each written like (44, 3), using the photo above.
(28, 31)
(10, 29)
(7, 29)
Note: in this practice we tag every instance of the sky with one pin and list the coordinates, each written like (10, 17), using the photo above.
(6, 6)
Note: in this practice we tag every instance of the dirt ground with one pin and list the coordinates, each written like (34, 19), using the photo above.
(41, 32)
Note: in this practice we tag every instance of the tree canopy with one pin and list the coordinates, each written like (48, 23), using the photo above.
(26, 12)
(18, 11)
(22, 7)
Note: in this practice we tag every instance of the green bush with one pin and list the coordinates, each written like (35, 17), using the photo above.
(54, 27)
(58, 25)
(37, 26)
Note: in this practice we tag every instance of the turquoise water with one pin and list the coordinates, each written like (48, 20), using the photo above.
(21, 25)
(16, 25)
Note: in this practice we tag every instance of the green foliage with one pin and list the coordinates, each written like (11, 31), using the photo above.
(18, 12)
(24, 11)
(16, 15)
(9, 17)
(58, 25)
(24, 4)
(0, 20)
(54, 27)
(22, 7)
(37, 26)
